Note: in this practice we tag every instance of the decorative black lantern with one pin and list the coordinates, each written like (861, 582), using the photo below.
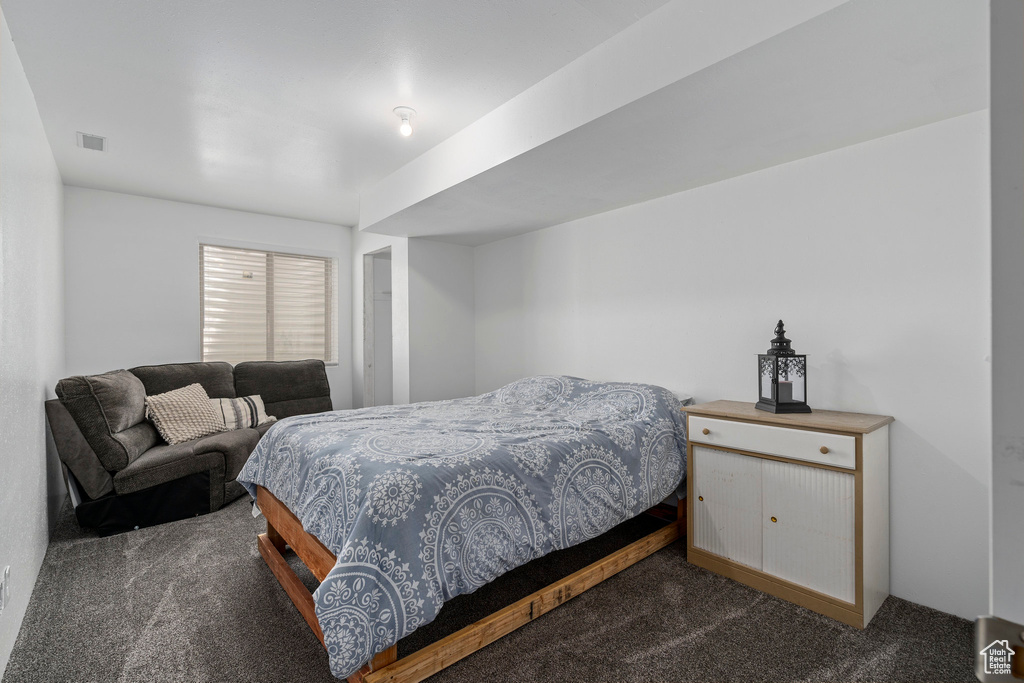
(782, 377)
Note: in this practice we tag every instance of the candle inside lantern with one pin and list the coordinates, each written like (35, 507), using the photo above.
(785, 392)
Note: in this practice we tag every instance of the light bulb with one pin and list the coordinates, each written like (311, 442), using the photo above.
(406, 114)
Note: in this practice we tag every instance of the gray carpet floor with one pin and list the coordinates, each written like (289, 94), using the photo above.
(193, 601)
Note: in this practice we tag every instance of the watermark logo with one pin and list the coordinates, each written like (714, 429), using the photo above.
(997, 658)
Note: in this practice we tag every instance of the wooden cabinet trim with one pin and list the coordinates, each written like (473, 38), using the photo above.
(818, 421)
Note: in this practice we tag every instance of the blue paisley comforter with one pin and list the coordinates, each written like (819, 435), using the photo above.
(427, 501)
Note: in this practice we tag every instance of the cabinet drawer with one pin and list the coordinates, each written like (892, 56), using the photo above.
(840, 451)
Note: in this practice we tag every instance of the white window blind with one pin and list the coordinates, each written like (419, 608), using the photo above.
(265, 305)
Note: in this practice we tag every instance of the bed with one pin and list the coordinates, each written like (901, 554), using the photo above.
(397, 509)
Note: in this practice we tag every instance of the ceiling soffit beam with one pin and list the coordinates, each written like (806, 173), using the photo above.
(675, 41)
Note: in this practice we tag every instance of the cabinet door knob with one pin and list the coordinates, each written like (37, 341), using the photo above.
(705, 431)
(700, 497)
(774, 520)
(824, 450)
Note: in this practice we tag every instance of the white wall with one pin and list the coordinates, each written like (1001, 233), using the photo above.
(31, 337)
(877, 258)
(1007, 310)
(132, 277)
(441, 320)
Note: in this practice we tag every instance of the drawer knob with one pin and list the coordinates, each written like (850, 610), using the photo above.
(705, 431)
(824, 450)
(700, 497)
(774, 520)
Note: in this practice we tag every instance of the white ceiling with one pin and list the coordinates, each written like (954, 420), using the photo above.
(865, 69)
(282, 107)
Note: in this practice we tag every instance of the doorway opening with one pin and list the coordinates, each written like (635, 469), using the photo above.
(378, 361)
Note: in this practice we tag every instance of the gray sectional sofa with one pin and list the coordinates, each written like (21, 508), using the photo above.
(127, 477)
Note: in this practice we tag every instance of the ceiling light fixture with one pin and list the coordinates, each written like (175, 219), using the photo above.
(406, 114)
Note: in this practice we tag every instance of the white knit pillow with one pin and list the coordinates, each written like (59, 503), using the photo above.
(183, 414)
(242, 412)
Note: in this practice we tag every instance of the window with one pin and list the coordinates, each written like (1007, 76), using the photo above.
(264, 305)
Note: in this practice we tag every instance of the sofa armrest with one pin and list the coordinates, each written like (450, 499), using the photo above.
(236, 445)
(75, 453)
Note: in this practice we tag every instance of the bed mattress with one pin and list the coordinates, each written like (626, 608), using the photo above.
(426, 501)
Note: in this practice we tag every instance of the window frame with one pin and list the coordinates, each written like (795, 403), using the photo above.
(331, 285)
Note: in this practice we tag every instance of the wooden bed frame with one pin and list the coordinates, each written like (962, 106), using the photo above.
(284, 529)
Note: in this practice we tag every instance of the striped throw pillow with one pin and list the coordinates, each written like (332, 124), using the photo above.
(183, 414)
(241, 413)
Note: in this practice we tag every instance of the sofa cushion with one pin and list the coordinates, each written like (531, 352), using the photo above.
(109, 410)
(183, 414)
(216, 378)
(166, 463)
(223, 454)
(288, 388)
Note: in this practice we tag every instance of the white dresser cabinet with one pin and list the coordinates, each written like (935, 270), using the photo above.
(794, 505)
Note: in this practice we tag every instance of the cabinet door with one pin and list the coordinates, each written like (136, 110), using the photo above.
(727, 505)
(808, 527)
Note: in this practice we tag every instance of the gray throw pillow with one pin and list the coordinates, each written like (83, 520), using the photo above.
(183, 414)
(241, 413)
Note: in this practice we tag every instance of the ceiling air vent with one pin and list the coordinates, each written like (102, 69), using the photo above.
(94, 142)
